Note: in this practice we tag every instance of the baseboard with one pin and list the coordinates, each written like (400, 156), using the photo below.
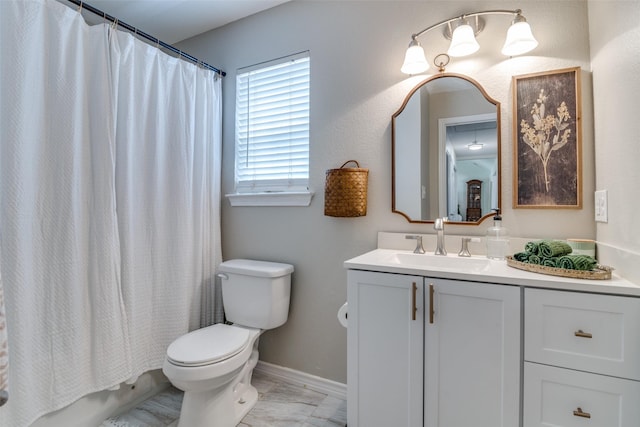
(312, 382)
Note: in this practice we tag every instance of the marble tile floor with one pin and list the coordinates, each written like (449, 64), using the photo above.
(280, 404)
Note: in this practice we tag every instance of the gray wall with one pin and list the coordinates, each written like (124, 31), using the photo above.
(356, 52)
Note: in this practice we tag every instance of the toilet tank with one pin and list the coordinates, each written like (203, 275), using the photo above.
(256, 293)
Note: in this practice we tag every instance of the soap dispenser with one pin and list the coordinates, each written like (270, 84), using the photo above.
(497, 238)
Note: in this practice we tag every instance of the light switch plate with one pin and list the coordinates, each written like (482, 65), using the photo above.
(601, 206)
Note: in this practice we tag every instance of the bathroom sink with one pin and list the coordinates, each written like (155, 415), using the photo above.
(449, 262)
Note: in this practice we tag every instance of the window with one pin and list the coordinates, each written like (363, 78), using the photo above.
(272, 128)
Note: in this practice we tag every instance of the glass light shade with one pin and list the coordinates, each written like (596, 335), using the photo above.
(519, 39)
(475, 146)
(414, 60)
(463, 41)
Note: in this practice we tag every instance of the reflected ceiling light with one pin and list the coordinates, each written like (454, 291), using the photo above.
(475, 145)
(519, 40)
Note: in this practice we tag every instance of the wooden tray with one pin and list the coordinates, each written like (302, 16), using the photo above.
(601, 272)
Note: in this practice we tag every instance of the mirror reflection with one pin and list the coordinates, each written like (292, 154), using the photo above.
(446, 152)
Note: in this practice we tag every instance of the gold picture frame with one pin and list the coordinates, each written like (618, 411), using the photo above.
(547, 155)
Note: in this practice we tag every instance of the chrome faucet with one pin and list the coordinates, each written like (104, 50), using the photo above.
(438, 225)
(464, 251)
(419, 248)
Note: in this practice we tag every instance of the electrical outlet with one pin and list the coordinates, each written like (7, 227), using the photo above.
(601, 206)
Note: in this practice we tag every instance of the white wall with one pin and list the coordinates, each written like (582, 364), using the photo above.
(356, 51)
(615, 54)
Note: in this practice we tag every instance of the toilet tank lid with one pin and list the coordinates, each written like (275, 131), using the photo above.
(250, 267)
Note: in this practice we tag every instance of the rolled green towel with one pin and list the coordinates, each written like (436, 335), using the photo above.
(577, 262)
(566, 262)
(534, 259)
(550, 262)
(532, 247)
(521, 256)
(551, 248)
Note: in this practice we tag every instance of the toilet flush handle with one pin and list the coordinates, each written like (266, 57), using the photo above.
(223, 276)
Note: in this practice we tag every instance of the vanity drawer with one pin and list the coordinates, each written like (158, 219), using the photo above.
(587, 332)
(565, 398)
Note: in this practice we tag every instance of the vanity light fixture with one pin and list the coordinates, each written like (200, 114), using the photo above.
(463, 40)
(462, 31)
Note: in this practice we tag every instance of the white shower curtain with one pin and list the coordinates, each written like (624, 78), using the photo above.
(60, 252)
(165, 192)
(109, 203)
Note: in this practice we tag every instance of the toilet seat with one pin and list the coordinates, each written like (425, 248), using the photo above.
(208, 345)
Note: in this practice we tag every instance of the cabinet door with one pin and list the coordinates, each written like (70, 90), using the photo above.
(472, 354)
(385, 345)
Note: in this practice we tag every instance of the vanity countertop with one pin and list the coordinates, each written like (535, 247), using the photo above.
(481, 269)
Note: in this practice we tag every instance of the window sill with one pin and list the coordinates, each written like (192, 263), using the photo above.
(302, 198)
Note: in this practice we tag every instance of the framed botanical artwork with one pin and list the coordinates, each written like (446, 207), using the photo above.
(548, 140)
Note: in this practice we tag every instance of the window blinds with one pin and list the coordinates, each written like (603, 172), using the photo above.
(272, 126)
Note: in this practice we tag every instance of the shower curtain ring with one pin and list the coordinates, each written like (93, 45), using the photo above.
(80, 7)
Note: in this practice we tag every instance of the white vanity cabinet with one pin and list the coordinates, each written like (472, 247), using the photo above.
(472, 354)
(582, 359)
(385, 341)
(432, 352)
(491, 346)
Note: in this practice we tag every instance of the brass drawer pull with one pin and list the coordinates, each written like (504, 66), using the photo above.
(582, 334)
(414, 309)
(578, 413)
(431, 292)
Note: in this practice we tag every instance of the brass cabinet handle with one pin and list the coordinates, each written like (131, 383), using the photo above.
(579, 413)
(582, 334)
(431, 292)
(414, 291)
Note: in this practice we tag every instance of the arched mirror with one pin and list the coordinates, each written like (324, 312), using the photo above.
(446, 152)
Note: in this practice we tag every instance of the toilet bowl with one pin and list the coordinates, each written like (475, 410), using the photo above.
(217, 385)
(213, 365)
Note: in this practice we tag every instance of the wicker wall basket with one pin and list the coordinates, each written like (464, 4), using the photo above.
(345, 191)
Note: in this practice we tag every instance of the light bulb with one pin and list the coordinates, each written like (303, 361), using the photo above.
(463, 41)
(520, 39)
(414, 60)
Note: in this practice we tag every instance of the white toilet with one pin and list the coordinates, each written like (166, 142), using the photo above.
(213, 365)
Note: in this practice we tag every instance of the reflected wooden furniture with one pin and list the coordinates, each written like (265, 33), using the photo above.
(474, 200)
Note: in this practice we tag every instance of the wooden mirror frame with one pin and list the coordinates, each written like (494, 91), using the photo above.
(484, 93)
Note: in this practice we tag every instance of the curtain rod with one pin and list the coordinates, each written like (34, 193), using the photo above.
(83, 5)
